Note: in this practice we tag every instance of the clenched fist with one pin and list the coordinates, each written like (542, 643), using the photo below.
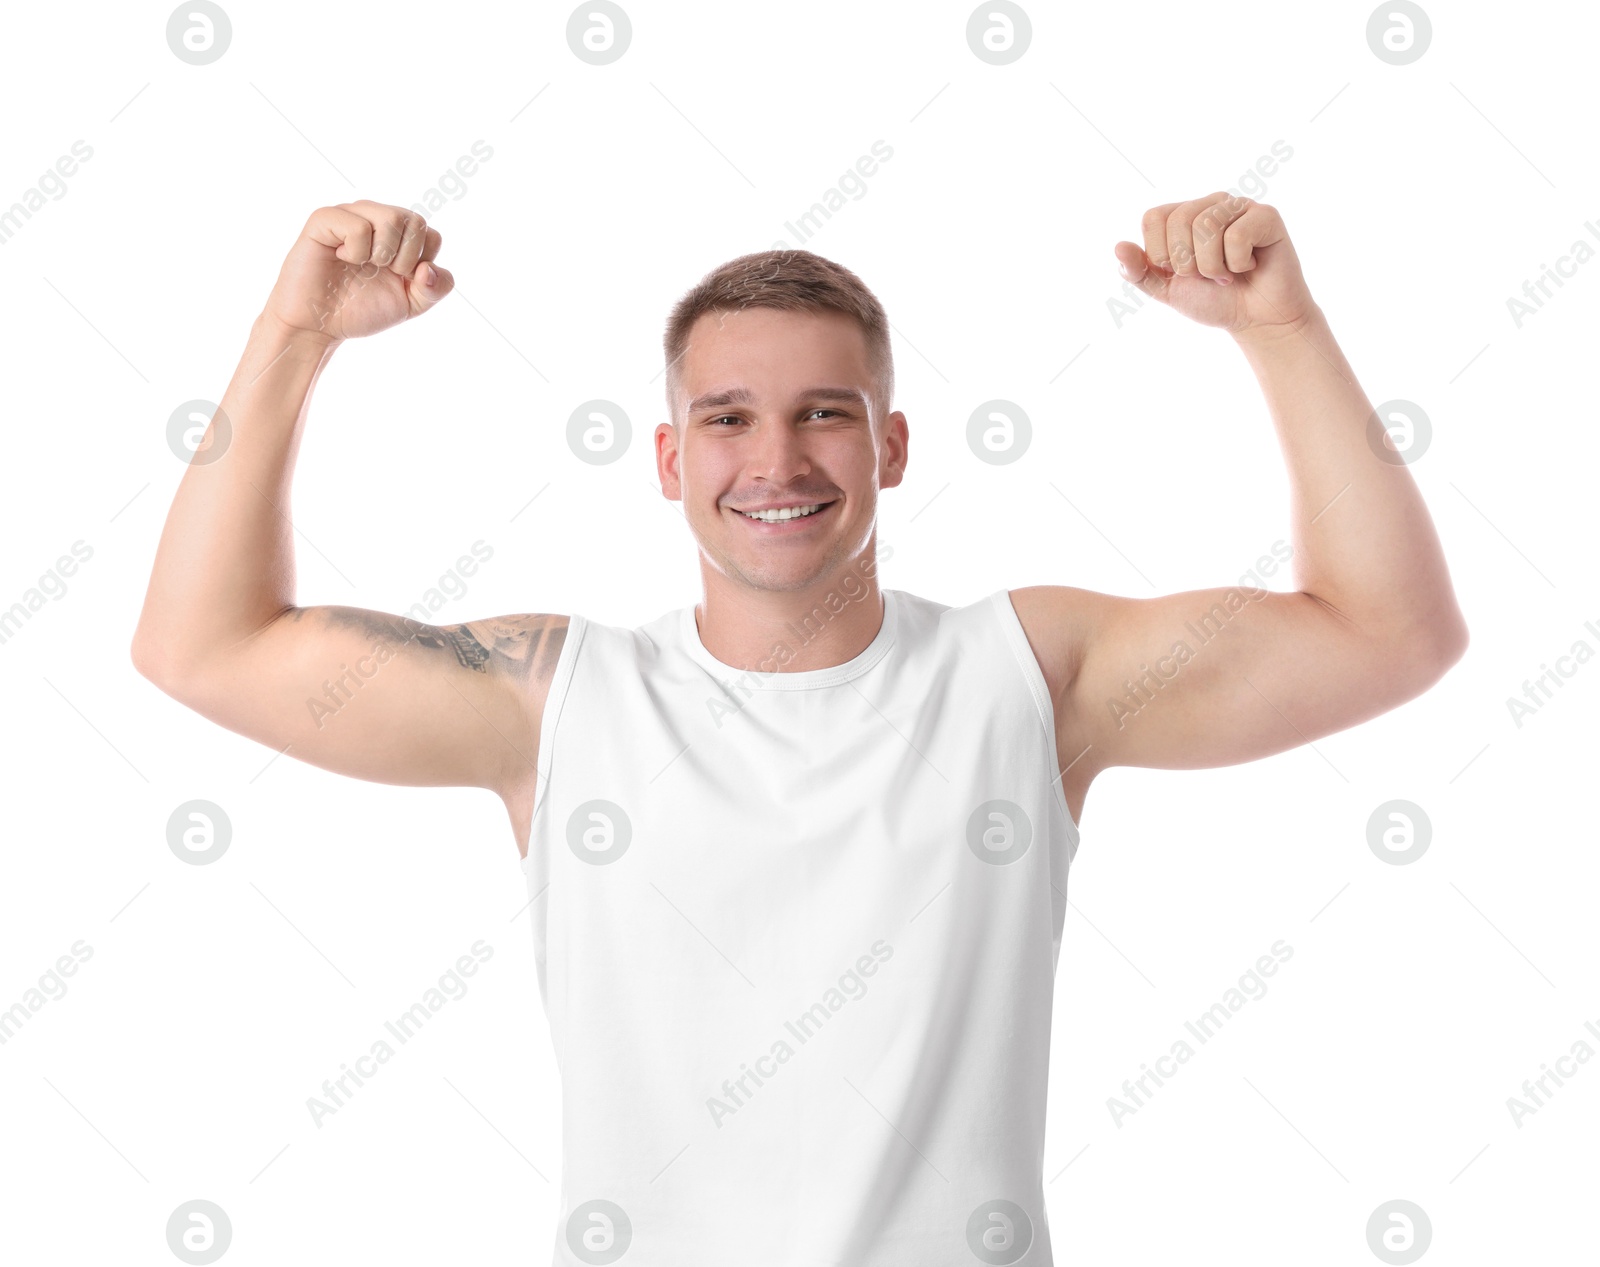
(1223, 261)
(358, 268)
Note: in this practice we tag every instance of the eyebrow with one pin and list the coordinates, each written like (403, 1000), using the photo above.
(743, 396)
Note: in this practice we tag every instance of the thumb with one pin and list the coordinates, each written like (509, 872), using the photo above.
(1137, 268)
(429, 284)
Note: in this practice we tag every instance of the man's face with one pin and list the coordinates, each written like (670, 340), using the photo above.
(775, 408)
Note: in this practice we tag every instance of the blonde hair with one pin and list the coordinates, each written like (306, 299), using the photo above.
(791, 280)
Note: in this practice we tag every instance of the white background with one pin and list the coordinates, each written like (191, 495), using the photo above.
(218, 998)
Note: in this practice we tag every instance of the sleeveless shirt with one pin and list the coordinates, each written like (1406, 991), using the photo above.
(796, 936)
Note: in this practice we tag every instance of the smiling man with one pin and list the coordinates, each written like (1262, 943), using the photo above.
(798, 852)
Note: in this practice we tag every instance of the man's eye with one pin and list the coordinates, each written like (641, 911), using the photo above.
(736, 418)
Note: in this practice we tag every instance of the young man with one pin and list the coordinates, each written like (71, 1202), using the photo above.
(745, 817)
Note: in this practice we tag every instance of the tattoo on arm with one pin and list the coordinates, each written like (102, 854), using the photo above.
(469, 652)
(515, 645)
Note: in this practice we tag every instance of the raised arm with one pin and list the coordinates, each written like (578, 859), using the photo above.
(1218, 676)
(363, 693)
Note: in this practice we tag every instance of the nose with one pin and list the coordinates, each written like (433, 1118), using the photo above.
(778, 454)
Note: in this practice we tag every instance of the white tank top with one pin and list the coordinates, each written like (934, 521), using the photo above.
(796, 937)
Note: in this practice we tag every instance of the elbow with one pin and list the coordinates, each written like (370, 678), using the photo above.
(152, 662)
(146, 660)
(1429, 652)
(1448, 640)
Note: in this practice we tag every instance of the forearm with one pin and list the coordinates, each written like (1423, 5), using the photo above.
(1364, 542)
(225, 563)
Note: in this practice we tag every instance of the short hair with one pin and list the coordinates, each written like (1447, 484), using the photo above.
(791, 280)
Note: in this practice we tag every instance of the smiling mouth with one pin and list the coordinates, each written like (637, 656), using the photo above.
(786, 516)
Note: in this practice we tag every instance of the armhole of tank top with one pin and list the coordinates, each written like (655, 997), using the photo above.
(554, 701)
(1017, 639)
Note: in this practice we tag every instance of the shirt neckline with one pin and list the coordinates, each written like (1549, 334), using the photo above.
(803, 679)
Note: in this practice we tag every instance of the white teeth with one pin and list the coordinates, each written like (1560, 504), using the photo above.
(778, 516)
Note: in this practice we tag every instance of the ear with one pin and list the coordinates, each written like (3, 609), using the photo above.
(667, 456)
(894, 450)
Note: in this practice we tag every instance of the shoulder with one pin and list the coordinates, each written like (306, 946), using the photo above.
(522, 651)
(1062, 624)
(1058, 621)
(523, 647)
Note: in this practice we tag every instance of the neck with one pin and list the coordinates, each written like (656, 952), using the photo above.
(790, 631)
